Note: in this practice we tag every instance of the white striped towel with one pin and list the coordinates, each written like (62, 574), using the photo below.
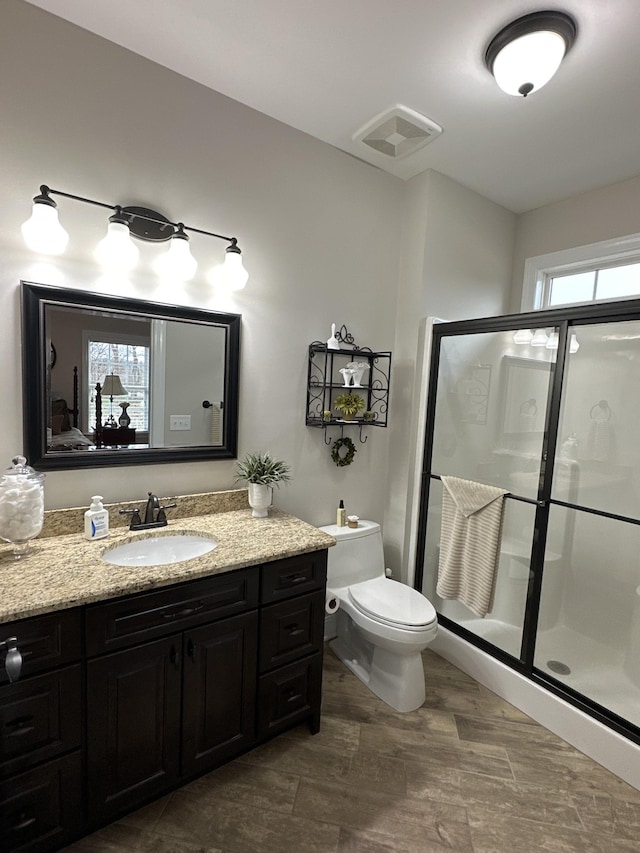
(216, 425)
(470, 542)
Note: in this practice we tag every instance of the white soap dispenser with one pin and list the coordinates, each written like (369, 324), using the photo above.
(96, 520)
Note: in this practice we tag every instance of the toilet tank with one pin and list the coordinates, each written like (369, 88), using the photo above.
(357, 555)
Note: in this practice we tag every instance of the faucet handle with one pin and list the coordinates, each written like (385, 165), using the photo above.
(135, 516)
(162, 516)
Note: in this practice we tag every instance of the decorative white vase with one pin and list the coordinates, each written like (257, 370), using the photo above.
(260, 498)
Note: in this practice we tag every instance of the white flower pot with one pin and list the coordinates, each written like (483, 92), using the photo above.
(260, 498)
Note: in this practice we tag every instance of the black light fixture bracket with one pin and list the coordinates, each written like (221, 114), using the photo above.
(144, 223)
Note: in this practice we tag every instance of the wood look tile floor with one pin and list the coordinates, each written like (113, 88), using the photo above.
(466, 772)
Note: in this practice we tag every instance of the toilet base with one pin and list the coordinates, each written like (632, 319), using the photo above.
(396, 679)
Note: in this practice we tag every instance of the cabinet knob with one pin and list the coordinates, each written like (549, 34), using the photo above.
(13, 658)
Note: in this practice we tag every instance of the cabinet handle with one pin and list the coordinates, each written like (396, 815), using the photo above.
(294, 631)
(293, 579)
(13, 658)
(24, 823)
(191, 649)
(174, 657)
(293, 697)
(19, 726)
(186, 611)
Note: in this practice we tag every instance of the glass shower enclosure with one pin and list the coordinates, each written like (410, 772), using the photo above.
(547, 406)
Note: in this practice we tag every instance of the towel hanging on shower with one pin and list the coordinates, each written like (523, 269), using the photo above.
(470, 537)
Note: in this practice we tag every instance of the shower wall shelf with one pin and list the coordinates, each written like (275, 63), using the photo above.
(325, 384)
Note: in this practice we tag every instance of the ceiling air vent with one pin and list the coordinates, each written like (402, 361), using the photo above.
(398, 132)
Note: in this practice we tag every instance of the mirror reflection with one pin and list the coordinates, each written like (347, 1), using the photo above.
(109, 379)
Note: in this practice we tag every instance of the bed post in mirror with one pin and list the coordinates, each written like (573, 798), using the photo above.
(75, 410)
(98, 415)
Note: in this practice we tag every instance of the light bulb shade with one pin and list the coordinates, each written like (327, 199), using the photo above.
(233, 270)
(42, 232)
(574, 346)
(527, 53)
(522, 336)
(552, 340)
(539, 338)
(177, 262)
(116, 250)
(231, 275)
(528, 63)
(112, 386)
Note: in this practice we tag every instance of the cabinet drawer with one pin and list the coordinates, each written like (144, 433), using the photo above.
(42, 809)
(44, 641)
(289, 695)
(291, 629)
(293, 576)
(39, 718)
(138, 618)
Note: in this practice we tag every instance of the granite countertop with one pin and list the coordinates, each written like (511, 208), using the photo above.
(67, 570)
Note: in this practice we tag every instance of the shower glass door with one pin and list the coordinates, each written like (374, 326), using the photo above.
(588, 633)
(489, 410)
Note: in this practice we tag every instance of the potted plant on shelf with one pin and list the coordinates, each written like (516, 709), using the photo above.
(349, 404)
(261, 472)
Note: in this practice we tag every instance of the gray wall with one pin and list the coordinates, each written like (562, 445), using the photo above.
(602, 214)
(326, 239)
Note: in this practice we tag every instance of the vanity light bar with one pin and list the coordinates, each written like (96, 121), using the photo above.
(43, 233)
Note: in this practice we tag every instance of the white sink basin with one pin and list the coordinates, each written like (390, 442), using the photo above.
(160, 550)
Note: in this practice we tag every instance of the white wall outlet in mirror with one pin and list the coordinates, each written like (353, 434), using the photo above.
(177, 422)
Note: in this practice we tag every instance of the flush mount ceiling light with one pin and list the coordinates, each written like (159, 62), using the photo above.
(527, 52)
(43, 233)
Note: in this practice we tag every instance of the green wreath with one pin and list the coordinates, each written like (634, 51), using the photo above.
(347, 459)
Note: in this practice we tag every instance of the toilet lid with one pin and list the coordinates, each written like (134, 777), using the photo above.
(392, 602)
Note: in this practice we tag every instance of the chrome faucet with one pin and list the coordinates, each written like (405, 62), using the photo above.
(150, 520)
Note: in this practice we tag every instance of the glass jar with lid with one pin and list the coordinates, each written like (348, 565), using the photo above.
(21, 505)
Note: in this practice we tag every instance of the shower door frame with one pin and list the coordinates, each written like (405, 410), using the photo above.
(562, 319)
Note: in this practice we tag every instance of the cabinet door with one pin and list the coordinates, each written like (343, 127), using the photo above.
(290, 694)
(219, 691)
(290, 630)
(133, 722)
(40, 718)
(293, 576)
(44, 641)
(42, 809)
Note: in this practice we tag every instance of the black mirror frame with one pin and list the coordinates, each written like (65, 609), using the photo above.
(35, 297)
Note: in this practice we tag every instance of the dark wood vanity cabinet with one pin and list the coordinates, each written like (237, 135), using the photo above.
(126, 699)
(41, 718)
(290, 650)
(162, 711)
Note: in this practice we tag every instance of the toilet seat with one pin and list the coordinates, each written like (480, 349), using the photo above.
(392, 603)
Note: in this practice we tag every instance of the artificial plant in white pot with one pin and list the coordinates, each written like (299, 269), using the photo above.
(261, 472)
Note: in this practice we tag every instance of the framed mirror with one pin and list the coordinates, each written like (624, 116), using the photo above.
(525, 389)
(114, 381)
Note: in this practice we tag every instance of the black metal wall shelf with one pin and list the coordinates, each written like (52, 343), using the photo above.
(325, 384)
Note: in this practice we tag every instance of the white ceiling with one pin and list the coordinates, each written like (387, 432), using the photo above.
(329, 67)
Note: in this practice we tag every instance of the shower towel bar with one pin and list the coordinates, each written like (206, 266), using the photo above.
(533, 501)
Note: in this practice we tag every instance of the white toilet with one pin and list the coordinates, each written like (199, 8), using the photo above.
(382, 625)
